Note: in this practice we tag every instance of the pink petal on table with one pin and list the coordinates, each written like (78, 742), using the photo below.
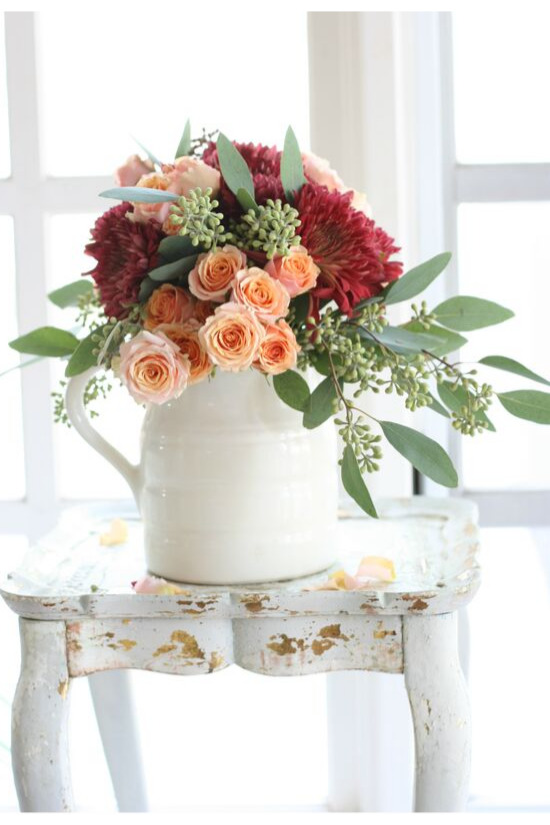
(116, 534)
(376, 567)
(152, 585)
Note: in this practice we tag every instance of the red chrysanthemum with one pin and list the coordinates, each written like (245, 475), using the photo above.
(350, 250)
(125, 251)
(264, 163)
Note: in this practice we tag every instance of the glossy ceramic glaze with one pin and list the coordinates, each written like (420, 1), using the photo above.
(231, 487)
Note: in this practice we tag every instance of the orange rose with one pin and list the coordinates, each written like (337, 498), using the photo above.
(214, 273)
(278, 350)
(257, 290)
(297, 271)
(152, 368)
(168, 305)
(152, 211)
(232, 337)
(186, 336)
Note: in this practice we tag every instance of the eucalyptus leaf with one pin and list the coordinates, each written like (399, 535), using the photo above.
(247, 201)
(292, 167)
(184, 146)
(457, 398)
(292, 389)
(354, 484)
(23, 364)
(146, 289)
(176, 269)
(233, 167)
(83, 357)
(531, 405)
(175, 247)
(500, 362)
(149, 154)
(447, 340)
(69, 295)
(437, 407)
(416, 280)
(425, 454)
(466, 313)
(139, 194)
(50, 342)
(320, 406)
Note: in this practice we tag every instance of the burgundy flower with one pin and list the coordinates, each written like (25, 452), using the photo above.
(125, 251)
(264, 163)
(350, 250)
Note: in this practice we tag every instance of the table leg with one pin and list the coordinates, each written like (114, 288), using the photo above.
(114, 710)
(440, 711)
(40, 747)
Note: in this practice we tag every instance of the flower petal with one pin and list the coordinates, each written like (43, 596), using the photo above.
(117, 533)
(376, 567)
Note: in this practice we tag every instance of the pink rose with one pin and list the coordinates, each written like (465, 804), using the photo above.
(214, 273)
(320, 172)
(278, 350)
(152, 585)
(144, 212)
(152, 368)
(260, 292)
(189, 173)
(232, 337)
(130, 172)
(297, 271)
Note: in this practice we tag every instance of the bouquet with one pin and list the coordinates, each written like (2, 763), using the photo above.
(238, 256)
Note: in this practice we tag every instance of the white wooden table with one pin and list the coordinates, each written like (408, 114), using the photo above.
(80, 616)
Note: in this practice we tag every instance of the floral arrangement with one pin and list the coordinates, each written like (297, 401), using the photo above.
(239, 256)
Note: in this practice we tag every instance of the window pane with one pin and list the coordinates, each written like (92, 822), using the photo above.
(81, 473)
(515, 274)
(126, 79)
(12, 483)
(501, 68)
(4, 131)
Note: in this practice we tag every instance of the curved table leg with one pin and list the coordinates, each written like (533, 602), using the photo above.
(40, 747)
(112, 698)
(440, 711)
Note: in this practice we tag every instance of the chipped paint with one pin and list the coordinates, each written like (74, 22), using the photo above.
(164, 649)
(216, 661)
(381, 632)
(63, 688)
(125, 644)
(320, 646)
(126, 621)
(419, 604)
(255, 602)
(287, 646)
(332, 631)
(189, 646)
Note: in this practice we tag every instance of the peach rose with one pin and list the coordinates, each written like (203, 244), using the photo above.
(188, 173)
(186, 336)
(168, 304)
(297, 271)
(214, 273)
(130, 172)
(152, 368)
(278, 350)
(152, 211)
(203, 310)
(268, 298)
(232, 337)
(320, 172)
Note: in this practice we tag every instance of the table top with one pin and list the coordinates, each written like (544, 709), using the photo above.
(433, 543)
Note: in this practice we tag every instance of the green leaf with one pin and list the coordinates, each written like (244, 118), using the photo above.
(354, 484)
(300, 305)
(437, 407)
(184, 146)
(175, 247)
(149, 154)
(68, 295)
(247, 201)
(292, 389)
(146, 289)
(83, 357)
(47, 341)
(292, 168)
(425, 454)
(139, 194)
(176, 269)
(500, 362)
(416, 280)
(447, 340)
(465, 313)
(532, 405)
(457, 398)
(320, 406)
(233, 167)
(401, 340)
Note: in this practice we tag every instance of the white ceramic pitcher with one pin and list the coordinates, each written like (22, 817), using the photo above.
(231, 487)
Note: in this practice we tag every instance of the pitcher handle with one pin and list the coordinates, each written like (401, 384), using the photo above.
(76, 413)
